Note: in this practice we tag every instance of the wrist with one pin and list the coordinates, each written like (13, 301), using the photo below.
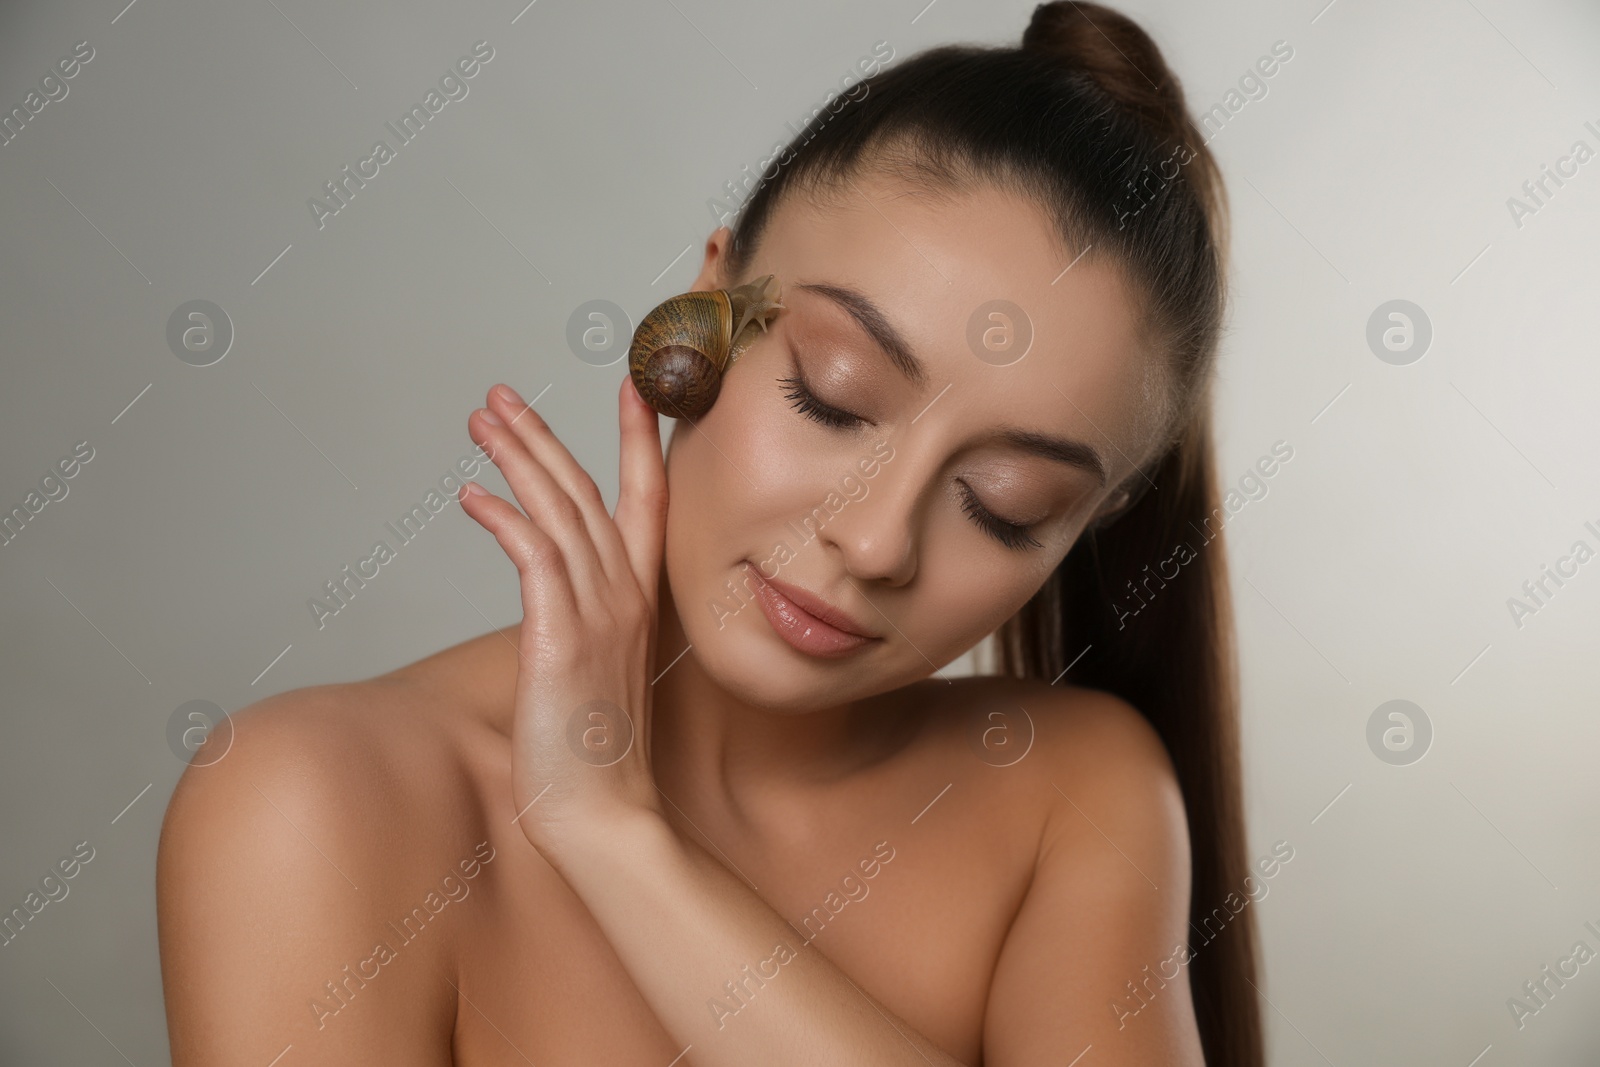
(600, 846)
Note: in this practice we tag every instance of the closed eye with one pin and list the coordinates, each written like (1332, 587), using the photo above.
(1011, 534)
(806, 402)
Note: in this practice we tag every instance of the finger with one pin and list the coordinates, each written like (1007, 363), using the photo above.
(642, 500)
(555, 513)
(546, 448)
(547, 594)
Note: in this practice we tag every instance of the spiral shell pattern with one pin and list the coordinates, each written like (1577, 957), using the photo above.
(685, 344)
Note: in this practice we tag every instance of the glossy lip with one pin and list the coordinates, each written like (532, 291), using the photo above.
(807, 623)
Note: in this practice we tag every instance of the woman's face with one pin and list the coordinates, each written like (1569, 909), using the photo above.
(926, 507)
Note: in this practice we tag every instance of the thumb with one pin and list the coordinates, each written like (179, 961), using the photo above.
(641, 515)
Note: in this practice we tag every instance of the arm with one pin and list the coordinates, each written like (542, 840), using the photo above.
(1107, 906)
(1090, 958)
(269, 884)
(724, 972)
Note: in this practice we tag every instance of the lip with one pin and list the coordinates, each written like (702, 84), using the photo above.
(808, 623)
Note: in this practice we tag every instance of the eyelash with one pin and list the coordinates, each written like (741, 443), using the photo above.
(1011, 535)
(808, 405)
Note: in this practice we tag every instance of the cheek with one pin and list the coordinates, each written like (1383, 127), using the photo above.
(760, 436)
(753, 460)
(966, 590)
(737, 476)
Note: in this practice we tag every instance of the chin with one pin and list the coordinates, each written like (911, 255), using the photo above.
(745, 657)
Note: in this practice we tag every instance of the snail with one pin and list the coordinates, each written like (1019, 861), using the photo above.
(686, 343)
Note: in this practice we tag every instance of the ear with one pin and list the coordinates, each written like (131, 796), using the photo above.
(710, 276)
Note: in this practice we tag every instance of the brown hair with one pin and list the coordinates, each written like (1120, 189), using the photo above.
(1085, 117)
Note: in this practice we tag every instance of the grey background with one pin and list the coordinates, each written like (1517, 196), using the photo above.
(578, 168)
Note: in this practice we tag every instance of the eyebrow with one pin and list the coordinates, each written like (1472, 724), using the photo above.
(1060, 449)
(878, 327)
(894, 345)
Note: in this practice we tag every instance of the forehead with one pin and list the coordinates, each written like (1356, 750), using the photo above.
(936, 265)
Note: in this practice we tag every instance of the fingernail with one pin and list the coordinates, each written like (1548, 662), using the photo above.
(509, 393)
(476, 490)
(490, 417)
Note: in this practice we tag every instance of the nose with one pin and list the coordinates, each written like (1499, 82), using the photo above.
(877, 535)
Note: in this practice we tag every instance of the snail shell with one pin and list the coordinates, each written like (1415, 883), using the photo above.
(685, 344)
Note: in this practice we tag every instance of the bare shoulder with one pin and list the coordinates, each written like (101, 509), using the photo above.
(1085, 760)
(1117, 778)
(279, 864)
(1101, 741)
(1089, 734)
(1110, 880)
(351, 761)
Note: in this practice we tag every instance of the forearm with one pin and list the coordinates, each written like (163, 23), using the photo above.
(723, 971)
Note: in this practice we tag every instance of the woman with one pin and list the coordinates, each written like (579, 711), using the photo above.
(713, 800)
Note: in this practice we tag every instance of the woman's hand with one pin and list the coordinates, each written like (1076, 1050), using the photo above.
(580, 739)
